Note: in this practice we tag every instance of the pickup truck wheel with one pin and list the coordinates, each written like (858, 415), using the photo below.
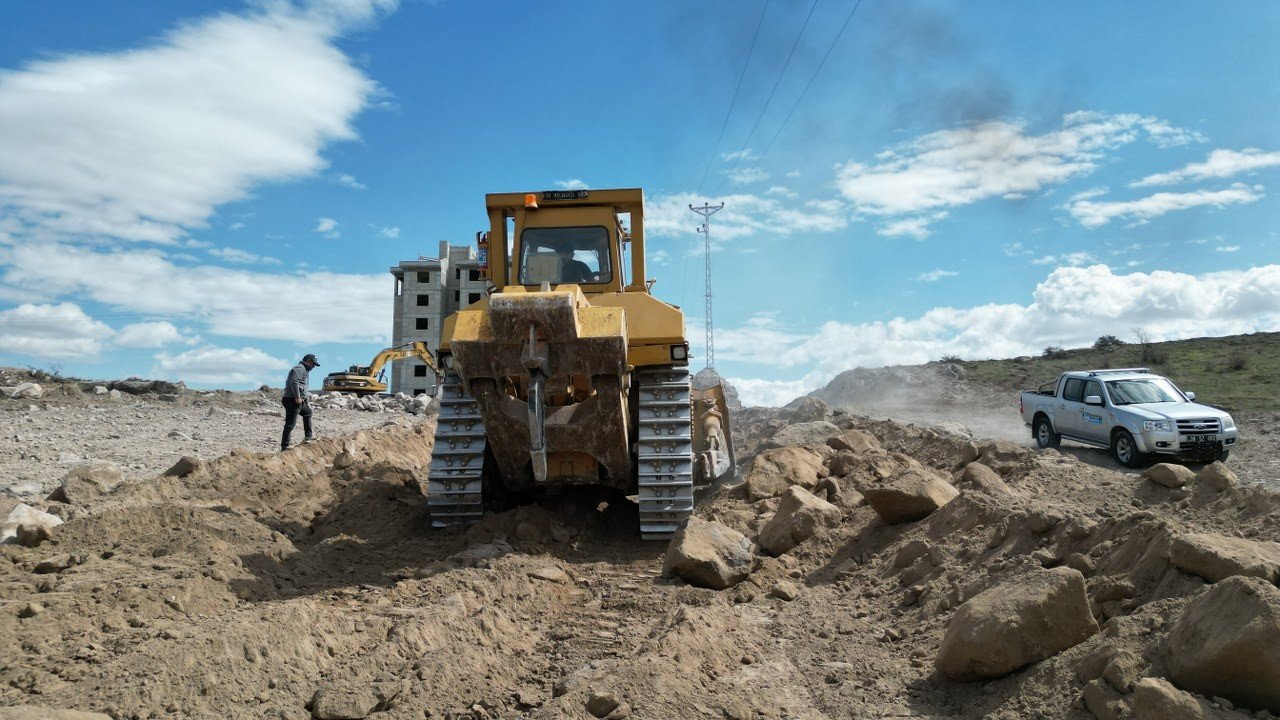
(1044, 434)
(1223, 455)
(1125, 450)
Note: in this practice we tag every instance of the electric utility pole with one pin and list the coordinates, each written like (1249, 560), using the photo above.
(706, 211)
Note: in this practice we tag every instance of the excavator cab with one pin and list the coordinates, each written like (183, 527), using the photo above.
(572, 372)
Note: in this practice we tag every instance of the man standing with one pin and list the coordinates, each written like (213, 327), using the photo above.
(295, 400)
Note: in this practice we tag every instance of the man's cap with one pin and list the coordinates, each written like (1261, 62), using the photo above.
(311, 359)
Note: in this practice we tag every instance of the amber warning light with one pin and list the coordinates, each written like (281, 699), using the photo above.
(531, 201)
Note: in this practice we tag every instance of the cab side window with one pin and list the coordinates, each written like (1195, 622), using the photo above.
(1073, 390)
(1094, 388)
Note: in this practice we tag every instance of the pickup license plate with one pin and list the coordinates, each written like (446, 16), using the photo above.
(1200, 438)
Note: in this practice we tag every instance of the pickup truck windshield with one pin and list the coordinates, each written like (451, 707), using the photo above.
(1145, 390)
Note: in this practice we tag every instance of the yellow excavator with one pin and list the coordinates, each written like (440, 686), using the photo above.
(570, 372)
(370, 379)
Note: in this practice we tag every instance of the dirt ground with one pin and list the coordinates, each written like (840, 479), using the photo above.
(310, 584)
(41, 439)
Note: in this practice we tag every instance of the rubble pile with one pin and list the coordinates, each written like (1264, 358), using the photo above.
(858, 568)
(400, 402)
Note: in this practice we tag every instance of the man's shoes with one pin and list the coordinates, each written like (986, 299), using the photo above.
(308, 439)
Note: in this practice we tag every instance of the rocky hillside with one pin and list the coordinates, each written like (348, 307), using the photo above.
(860, 569)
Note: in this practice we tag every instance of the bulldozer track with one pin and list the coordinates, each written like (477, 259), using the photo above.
(455, 478)
(664, 452)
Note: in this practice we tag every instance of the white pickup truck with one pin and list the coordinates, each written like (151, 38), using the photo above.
(1132, 411)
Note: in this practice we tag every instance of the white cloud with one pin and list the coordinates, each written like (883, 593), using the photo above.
(305, 307)
(235, 255)
(1016, 249)
(147, 335)
(328, 227)
(1075, 259)
(951, 168)
(572, 184)
(659, 257)
(781, 191)
(744, 215)
(744, 154)
(143, 144)
(51, 331)
(350, 181)
(916, 227)
(1095, 214)
(389, 232)
(1227, 248)
(1072, 307)
(1220, 164)
(935, 275)
(221, 366)
(747, 175)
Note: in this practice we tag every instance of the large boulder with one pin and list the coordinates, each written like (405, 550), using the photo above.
(1169, 475)
(138, 386)
(1226, 643)
(1216, 476)
(984, 479)
(799, 516)
(773, 471)
(858, 442)
(28, 526)
(912, 495)
(1216, 557)
(27, 390)
(1015, 624)
(87, 482)
(806, 433)
(807, 409)
(1157, 699)
(185, 466)
(708, 554)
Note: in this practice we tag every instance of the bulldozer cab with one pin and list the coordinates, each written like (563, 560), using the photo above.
(563, 255)
(573, 237)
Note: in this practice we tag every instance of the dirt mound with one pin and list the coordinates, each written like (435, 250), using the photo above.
(310, 584)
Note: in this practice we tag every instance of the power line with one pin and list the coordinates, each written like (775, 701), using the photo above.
(811, 79)
(768, 100)
(734, 101)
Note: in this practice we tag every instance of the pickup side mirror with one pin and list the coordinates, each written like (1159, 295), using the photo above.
(1190, 395)
(1093, 400)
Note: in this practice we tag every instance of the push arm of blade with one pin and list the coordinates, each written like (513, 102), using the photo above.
(537, 430)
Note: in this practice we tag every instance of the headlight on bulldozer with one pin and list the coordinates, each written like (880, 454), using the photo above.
(679, 352)
(1156, 425)
(447, 361)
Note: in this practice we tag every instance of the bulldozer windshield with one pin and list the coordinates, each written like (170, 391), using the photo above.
(565, 255)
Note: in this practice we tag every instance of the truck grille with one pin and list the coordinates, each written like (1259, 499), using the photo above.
(1205, 426)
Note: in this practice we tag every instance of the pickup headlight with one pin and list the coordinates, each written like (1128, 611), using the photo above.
(1156, 425)
(1228, 423)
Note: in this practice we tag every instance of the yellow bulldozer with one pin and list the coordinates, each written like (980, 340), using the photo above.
(370, 379)
(570, 372)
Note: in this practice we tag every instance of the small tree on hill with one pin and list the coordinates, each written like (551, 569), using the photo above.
(1107, 343)
(1054, 352)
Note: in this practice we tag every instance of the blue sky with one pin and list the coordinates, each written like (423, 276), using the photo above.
(206, 190)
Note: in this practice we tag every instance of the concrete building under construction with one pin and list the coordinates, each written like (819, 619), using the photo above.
(428, 290)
